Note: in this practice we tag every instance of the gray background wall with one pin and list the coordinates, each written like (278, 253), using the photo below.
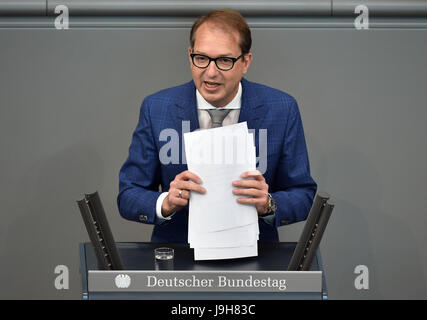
(69, 102)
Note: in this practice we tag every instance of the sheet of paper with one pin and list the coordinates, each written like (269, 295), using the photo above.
(241, 236)
(219, 227)
(225, 253)
(218, 208)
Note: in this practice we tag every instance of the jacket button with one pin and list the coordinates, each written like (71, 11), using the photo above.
(143, 218)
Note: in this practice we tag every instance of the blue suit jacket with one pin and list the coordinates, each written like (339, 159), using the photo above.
(287, 174)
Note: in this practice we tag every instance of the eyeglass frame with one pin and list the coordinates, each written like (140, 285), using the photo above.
(192, 55)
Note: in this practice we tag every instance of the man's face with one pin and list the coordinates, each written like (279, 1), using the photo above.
(216, 86)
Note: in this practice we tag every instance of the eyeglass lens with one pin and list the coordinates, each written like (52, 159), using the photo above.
(221, 62)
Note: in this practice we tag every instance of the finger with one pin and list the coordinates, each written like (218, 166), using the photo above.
(188, 185)
(253, 174)
(184, 194)
(188, 175)
(176, 201)
(256, 193)
(254, 201)
(248, 184)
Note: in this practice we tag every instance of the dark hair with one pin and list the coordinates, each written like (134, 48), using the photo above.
(228, 19)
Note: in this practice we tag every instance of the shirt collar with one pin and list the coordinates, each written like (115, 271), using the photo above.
(236, 103)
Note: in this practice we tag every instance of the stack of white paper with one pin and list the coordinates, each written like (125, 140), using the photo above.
(219, 227)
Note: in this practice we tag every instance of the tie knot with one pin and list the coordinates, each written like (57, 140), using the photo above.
(217, 116)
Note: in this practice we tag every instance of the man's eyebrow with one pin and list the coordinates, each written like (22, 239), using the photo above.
(221, 55)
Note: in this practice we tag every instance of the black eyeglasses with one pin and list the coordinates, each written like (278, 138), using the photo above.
(222, 63)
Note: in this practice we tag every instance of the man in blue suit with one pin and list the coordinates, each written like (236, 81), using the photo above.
(219, 56)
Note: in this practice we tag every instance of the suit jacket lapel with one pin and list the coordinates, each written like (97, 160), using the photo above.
(252, 109)
(185, 109)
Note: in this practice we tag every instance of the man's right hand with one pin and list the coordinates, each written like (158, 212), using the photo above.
(179, 192)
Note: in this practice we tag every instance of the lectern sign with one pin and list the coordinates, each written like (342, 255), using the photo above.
(205, 281)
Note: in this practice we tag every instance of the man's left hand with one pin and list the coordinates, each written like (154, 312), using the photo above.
(256, 188)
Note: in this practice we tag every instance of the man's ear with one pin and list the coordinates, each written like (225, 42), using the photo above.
(247, 62)
(189, 52)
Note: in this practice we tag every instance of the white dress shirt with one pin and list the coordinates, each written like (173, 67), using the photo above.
(232, 117)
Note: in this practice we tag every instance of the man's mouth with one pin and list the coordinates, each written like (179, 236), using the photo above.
(211, 84)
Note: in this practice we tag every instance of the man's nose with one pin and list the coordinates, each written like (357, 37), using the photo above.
(212, 70)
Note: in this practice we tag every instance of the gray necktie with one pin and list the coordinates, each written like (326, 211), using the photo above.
(217, 116)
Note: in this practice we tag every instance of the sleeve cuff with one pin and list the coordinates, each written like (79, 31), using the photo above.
(269, 219)
(160, 217)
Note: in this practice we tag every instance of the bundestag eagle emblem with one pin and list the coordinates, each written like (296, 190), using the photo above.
(122, 281)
